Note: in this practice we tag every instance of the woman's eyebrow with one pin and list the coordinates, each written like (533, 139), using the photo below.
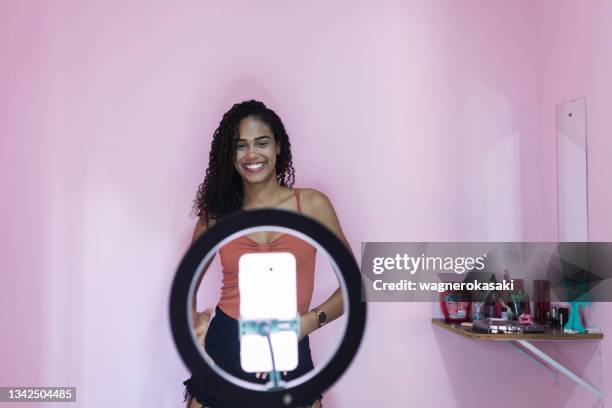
(257, 138)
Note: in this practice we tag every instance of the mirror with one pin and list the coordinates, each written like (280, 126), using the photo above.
(572, 191)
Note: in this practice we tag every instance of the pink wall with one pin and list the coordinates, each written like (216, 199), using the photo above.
(23, 123)
(421, 120)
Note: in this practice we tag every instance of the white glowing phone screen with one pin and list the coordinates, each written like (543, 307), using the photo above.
(268, 290)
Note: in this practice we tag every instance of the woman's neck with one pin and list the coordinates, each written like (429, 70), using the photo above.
(262, 194)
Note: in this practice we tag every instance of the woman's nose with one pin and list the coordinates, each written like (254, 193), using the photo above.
(250, 152)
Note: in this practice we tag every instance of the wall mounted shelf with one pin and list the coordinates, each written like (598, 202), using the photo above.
(523, 343)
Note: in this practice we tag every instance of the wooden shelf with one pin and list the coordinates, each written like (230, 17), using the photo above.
(551, 335)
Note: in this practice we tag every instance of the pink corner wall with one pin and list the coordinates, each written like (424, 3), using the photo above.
(421, 120)
(576, 61)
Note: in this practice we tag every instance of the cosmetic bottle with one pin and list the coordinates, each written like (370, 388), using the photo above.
(541, 294)
(477, 311)
(519, 299)
(492, 304)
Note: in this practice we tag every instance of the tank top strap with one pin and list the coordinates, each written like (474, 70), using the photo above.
(297, 198)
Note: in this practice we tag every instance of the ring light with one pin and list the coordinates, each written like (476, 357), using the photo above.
(183, 289)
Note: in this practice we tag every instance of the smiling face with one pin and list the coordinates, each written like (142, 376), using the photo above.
(256, 151)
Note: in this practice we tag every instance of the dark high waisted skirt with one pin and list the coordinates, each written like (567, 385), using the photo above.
(222, 344)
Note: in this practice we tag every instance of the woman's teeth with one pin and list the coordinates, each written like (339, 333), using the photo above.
(255, 166)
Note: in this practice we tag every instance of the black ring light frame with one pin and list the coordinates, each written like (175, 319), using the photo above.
(203, 374)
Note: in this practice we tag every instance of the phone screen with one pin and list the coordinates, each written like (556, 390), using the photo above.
(268, 290)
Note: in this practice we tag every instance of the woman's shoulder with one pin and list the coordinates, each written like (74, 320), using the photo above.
(314, 202)
(318, 206)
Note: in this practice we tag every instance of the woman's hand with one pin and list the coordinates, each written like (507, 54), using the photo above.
(201, 321)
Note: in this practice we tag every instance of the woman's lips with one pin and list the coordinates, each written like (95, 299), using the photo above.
(253, 168)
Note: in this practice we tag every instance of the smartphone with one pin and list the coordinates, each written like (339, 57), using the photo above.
(268, 290)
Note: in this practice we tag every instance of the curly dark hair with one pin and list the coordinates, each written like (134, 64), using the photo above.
(221, 192)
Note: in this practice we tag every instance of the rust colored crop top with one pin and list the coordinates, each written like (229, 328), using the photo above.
(304, 253)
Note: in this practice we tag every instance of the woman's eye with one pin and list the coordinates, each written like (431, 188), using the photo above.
(240, 147)
(262, 144)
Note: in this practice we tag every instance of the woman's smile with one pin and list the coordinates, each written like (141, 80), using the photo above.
(253, 168)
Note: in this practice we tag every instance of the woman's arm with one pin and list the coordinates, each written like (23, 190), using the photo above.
(200, 319)
(316, 205)
(200, 228)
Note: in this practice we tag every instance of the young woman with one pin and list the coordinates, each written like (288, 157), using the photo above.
(250, 167)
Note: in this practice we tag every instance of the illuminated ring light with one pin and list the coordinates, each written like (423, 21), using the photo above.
(183, 288)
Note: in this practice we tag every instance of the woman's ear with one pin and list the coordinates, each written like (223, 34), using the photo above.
(277, 149)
